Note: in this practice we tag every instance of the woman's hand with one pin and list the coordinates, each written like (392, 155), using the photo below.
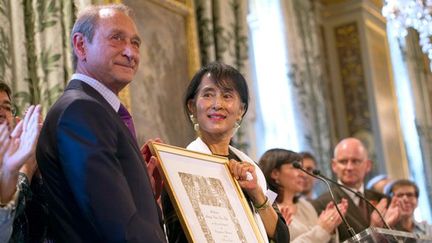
(330, 219)
(287, 214)
(244, 173)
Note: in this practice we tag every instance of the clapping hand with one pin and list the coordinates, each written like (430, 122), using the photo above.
(287, 214)
(391, 214)
(330, 219)
(21, 144)
(17, 148)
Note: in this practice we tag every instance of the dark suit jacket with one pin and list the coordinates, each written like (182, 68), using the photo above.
(353, 216)
(97, 185)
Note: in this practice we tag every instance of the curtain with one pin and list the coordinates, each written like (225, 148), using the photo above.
(307, 79)
(223, 36)
(413, 82)
(35, 53)
(275, 119)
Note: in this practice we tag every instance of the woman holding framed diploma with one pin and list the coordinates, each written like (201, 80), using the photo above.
(216, 100)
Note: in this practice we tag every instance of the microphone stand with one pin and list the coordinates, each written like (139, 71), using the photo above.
(351, 231)
(318, 173)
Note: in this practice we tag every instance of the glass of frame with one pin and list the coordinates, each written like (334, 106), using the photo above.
(208, 200)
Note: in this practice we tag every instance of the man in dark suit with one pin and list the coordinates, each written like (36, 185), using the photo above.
(95, 176)
(351, 165)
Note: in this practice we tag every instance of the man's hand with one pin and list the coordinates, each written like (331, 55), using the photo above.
(153, 172)
(391, 214)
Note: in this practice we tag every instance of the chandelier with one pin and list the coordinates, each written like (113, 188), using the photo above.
(402, 14)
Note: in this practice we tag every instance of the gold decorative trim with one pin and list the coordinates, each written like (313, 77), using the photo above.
(193, 46)
(351, 7)
(175, 6)
(353, 78)
(112, 1)
(377, 3)
(187, 10)
(331, 2)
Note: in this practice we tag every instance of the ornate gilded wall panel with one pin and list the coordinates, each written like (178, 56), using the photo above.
(352, 75)
(168, 55)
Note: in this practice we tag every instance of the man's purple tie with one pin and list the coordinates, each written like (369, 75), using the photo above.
(127, 119)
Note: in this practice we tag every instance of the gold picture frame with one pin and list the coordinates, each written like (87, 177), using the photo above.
(208, 200)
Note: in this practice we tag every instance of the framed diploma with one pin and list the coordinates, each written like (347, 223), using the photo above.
(208, 200)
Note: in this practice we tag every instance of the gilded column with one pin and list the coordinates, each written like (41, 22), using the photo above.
(364, 97)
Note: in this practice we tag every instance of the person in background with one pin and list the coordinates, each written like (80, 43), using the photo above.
(16, 148)
(6, 106)
(97, 181)
(305, 225)
(216, 100)
(351, 165)
(17, 166)
(408, 191)
(378, 183)
(309, 164)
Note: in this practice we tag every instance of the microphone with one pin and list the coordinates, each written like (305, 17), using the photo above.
(351, 231)
(318, 173)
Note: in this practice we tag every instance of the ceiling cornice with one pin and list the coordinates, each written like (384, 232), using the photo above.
(378, 3)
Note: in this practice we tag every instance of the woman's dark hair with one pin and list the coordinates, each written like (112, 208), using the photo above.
(274, 159)
(224, 76)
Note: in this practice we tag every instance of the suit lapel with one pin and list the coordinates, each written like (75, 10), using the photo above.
(82, 86)
(353, 214)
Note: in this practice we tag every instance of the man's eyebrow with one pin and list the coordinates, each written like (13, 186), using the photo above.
(136, 38)
(6, 102)
(119, 31)
(115, 31)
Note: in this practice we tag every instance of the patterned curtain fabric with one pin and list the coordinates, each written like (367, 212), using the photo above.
(223, 36)
(307, 79)
(35, 53)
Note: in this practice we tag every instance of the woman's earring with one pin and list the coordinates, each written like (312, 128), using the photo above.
(194, 122)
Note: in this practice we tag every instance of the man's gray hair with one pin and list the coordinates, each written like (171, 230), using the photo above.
(87, 21)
